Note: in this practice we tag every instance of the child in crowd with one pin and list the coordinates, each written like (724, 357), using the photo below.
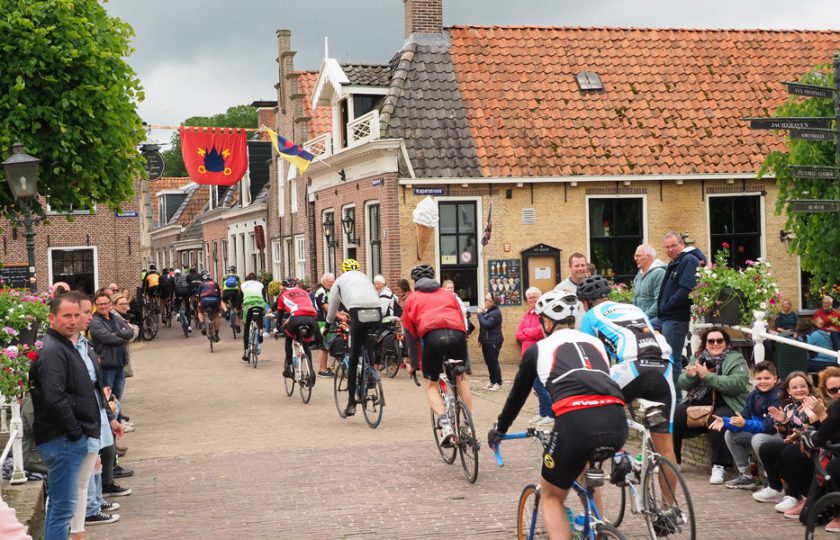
(754, 426)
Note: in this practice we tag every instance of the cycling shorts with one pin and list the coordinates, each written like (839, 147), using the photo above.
(211, 303)
(183, 293)
(295, 322)
(152, 291)
(440, 345)
(576, 434)
(232, 297)
(651, 380)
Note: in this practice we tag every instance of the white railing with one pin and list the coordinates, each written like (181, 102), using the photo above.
(362, 129)
(15, 442)
(320, 145)
(759, 333)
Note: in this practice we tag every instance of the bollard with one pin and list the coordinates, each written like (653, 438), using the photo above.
(759, 330)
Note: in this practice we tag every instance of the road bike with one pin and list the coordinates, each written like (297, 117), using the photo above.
(389, 346)
(231, 315)
(254, 333)
(150, 320)
(209, 325)
(663, 500)
(302, 372)
(183, 320)
(826, 507)
(369, 393)
(464, 441)
(589, 524)
(166, 314)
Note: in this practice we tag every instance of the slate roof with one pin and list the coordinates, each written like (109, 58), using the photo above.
(672, 101)
(321, 117)
(367, 74)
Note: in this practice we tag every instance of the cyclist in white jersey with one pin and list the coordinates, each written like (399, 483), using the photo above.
(641, 357)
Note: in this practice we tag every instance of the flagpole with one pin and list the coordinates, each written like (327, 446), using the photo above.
(161, 126)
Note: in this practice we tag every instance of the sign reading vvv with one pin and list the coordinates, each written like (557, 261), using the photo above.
(809, 90)
(790, 123)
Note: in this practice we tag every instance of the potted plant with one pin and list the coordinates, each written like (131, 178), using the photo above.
(726, 295)
(621, 292)
(23, 316)
(14, 369)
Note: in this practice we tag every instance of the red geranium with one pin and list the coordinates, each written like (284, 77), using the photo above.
(725, 245)
(32, 355)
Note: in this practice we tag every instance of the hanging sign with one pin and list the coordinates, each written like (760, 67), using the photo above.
(814, 206)
(811, 135)
(790, 123)
(155, 165)
(828, 173)
(809, 90)
(214, 156)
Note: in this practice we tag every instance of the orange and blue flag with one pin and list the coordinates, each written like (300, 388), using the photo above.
(289, 151)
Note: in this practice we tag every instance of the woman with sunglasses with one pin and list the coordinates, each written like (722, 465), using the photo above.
(716, 375)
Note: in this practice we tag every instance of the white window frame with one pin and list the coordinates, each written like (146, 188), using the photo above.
(300, 256)
(479, 210)
(75, 248)
(281, 187)
(340, 224)
(277, 260)
(642, 196)
(245, 189)
(762, 229)
(368, 231)
(327, 248)
(72, 211)
(293, 190)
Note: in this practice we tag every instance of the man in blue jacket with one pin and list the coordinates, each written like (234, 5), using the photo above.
(674, 303)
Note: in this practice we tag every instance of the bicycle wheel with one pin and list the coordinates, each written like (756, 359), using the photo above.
(306, 379)
(150, 327)
(373, 398)
(289, 382)
(605, 530)
(392, 360)
(528, 524)
(232, 317)
(254, 343)
(182, 318)
(340, 387)
(668, 508)
(448, 454)
(824, 510)
(467, 443)
(614, 498)
(211, 331)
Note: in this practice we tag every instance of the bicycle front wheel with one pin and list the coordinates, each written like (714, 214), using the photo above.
(373, 399)
(605, 530)
(340, 388)
(254, 339)
(668, 510)
(467, 442)
(306, 379)
(528, 524)
(448, 453)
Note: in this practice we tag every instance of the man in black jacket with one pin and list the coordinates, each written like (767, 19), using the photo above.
(66, 412)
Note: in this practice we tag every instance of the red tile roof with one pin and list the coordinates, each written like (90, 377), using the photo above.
(672, 101)
(321, 118)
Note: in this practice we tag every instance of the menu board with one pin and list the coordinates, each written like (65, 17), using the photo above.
(506, 280)
(14, 276)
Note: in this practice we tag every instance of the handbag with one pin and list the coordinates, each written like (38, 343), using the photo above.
(697, 416)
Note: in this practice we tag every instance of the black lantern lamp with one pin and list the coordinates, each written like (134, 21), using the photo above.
(349, 225)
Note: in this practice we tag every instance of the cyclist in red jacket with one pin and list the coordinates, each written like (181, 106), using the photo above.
(434, 327)
(296, 302)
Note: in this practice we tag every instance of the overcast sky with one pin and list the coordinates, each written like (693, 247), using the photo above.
(199, 57)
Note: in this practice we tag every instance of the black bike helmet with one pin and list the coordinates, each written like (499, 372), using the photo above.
(593, 288)
(422, 271)
(290, 282)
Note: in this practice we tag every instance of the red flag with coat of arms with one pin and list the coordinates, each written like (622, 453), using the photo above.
(214, 156)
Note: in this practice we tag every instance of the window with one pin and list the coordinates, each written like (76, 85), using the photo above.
(343, 119)
(300, 257)
(73, 211)
(281, 188)
(225, 253)
(168, 204)
(349, 243)
(293, 192)
(75, 266)
(363, 104)
(192, 259)
(374, 240)
(252, 239)
(736, 221)
(287, 258)
(329, 244)
(214, 197)
(276, 260)
(459, 248)
(615, 230)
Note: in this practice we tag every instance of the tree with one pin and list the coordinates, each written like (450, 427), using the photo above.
(68, 95)
(817, 236)
(241, 116)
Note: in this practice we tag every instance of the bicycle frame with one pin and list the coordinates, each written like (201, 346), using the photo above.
(637, 505)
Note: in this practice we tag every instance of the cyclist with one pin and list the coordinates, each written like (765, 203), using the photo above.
(166, 286)
(182, 292)
(588, 404)
(353, 292)
(253, 303)
(231, 295)
(434, 327)
(641, 357)
(296, 304)
(195, 280)
(209, 297)
(150, 284)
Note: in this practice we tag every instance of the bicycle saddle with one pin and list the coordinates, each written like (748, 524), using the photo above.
(645, 404)
(601, 454)
(453, 362)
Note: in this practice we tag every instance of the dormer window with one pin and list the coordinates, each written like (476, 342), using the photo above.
(168, 204)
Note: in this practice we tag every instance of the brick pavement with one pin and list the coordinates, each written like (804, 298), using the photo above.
(221, 453)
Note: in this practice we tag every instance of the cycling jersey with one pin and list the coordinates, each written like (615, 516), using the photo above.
(252, 292)
(194, 279)
(208, 290)
(152, 279)
(230, 282)
(296, 301)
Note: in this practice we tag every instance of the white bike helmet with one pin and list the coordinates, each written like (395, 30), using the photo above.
(557, 306)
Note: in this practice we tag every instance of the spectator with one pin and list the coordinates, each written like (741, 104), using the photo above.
(529, 332)
(58, 288)
(806, 331)
(590, 270)
(10, 527)
(322, 305)
(648, 280)
(577, 273)
(787, 319)
(110, 335)
(390, 307)
(490, 339)
(401, 291)
(827, 315)
(753, 426)
(66, 413)
(718, 376)
(32, 460)
(674, 305)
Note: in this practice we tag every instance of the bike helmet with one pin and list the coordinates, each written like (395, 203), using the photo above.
(350, 264)
(177, 271)
(232, 269)
(206, 276)
(422, 271)
(557, 306)
(290, 282)
(593, 288)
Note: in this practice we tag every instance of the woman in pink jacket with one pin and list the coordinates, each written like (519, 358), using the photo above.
(529, 332)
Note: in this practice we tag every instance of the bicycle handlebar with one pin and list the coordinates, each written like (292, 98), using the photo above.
(531, 432)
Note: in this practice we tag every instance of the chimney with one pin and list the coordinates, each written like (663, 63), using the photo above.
(423, 17)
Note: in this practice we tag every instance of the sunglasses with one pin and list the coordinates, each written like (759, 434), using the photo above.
(713, 341)
(833, 390)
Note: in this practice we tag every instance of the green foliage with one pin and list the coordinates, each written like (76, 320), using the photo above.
(67, 93)
(242, 116)
(817, 240)
(621, 292)
(274, 289)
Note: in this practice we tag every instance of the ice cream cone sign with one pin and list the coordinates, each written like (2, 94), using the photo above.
(425, 218)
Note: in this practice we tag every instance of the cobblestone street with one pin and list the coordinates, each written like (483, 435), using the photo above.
(221, 452)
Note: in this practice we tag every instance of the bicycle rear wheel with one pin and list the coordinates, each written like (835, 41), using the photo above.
(467, 442)
(289, 382)
(668, 508)
(614, 498)
(373, 399)
(150, 327)
(232, 317)
(824, 510)
(605, 530)
(254, 343)
(340, 387)
(528, 523)
(182, 318)
(211, 331)
(448, 454)
(306, 379)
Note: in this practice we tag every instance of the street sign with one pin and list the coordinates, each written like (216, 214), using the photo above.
(155, 165)
(812, 134)
(809, 90)
(802, 171)
(790, 123)
(429, 191)
(126, 214)
(813, 206)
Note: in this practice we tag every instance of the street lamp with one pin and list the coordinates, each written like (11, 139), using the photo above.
(349, 226)
(22, 176)
(328, 227)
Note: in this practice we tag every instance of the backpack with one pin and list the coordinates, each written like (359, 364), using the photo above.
(231, 282)
(181, 282)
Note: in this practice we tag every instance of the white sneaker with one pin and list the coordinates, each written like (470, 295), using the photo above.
(266, 334)
(769, 494)
(718, 474)
(488, 386)
(546, 421)
(535, 419)
(787, 503)
(495, 388)
(189, 329)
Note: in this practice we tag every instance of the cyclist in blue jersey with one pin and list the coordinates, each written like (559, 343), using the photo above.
(641, 357)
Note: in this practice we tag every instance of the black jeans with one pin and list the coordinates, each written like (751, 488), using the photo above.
(720, 452)
(770, 454)
(108, 455)
(491, 358)
(796, 469)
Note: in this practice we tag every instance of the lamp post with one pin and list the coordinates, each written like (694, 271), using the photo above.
(349, 226)
(328, 227)
(22, 176)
